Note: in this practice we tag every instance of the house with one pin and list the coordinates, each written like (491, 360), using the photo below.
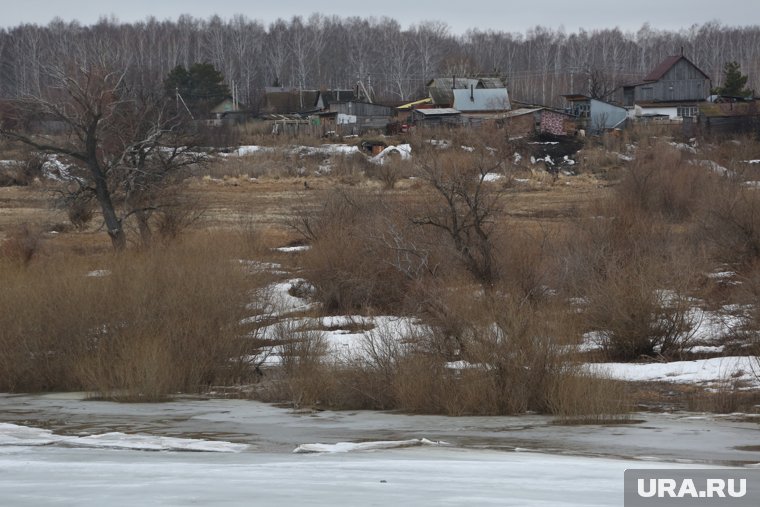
(595, 115)
(442, 92)
(726, 117)
(355, 117)
(674, 89)
(327, 97)
(441, 116)
(228, 110)
(528, 120)
(282, 100)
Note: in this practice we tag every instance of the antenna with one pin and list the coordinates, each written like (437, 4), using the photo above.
(179, 98)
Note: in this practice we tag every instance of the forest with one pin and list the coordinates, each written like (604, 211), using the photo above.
(320, 51)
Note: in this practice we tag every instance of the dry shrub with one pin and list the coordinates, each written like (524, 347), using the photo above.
(22, 172)
(580, 397)
(22, 244)
(661, 181)
(46, 316)
(635, 315)
(727, 397)
(153, 323)
(366, 380)
(731, 224)
(308, 381)
(510, 360)
(525, 263)
(80, 211)
(355, 260)
(635, 274)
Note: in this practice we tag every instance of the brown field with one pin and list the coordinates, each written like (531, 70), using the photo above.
(613, 235)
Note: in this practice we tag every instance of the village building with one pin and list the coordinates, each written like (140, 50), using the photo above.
(671, 91)
(595, 115)
(485, 93)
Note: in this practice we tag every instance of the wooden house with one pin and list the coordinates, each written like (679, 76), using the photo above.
(673, 89)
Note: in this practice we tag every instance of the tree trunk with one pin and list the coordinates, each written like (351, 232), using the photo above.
(103, 195)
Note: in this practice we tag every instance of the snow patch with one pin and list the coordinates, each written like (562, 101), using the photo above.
(341, 447)
(403, 150)
(15, 435)
(702, 371)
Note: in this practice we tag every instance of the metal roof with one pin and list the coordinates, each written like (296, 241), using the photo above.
(521, 112)
(441, 111)
(481, 99)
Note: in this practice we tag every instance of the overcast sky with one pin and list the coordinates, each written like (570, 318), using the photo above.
(507, 15)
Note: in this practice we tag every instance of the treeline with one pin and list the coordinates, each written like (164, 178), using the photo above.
(321, 51)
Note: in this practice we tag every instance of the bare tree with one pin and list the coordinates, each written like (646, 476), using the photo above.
(464, 204)
(115, 140)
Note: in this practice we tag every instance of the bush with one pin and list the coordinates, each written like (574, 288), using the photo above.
(22, 244)
(359, 256)
(144, 326)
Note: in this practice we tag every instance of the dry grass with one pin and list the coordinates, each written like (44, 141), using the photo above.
(147, 325)
(166, 318)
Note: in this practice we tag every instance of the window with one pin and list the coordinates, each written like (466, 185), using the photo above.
(687, 111)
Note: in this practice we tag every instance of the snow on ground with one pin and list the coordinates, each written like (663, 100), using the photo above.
(279, 302)
(15, 435)
(293, 249)
(702, 371)
(323, 149)
(346, 336)
(364, 446)
(403, 150)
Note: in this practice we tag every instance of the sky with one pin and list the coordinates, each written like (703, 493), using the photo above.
(460, 15)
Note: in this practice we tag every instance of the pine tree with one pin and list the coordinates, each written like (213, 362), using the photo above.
(733, 81)
(201, 86)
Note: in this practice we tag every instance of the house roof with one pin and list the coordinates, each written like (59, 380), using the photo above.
(288, 100)
(575, 96)
(674, 103)
(479, 99)
(330, 96)
(666, 65)
(522, 111)
(440, 88)
(441, 111)
(411, 105)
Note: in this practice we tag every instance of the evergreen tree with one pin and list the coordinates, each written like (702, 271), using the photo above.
(201, 86)
(733, 81)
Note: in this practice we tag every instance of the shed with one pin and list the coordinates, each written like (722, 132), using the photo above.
(594, 114)
(437, 117)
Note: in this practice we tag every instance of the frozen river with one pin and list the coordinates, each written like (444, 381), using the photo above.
(63, 450)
